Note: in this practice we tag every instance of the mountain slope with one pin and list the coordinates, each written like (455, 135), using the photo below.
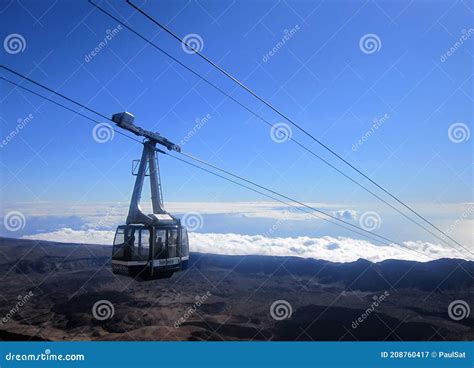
(235, 295)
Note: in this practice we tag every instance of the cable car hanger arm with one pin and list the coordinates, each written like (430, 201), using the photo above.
(125, 120)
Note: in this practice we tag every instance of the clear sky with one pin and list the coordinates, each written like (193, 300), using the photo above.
(414, 86)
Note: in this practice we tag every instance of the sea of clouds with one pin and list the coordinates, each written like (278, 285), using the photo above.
(245, 228)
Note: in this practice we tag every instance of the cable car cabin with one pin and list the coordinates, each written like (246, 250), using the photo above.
(152, 246)
(150, 252)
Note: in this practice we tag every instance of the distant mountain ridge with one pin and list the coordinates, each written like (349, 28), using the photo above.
(444, 274)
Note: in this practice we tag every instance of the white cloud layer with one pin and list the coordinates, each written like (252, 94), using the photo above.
(328, 248)
(67, 235)
(226, 224)
(115, 212)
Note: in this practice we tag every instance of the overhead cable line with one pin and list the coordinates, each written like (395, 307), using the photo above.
(271, 125)
(187, 155)
(96, 122)
(53, 91)
(292, 122)
(201, 161)
(371, 235)
(404, 248)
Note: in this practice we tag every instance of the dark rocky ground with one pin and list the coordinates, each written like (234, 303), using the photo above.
(326, 298)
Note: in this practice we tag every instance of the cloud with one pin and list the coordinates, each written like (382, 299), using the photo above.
(67, 235)
(99, 215)
(345, 214)
(335, 249)
(226, 223)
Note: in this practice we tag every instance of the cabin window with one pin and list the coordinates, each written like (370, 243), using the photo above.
(160, 245)
(184, 243)
(144, 246)
(172, 242)
(119, 240)
(119, 237)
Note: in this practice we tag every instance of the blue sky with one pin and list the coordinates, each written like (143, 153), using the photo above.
(321, 78)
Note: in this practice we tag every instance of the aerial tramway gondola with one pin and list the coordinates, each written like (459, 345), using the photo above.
(149, 246)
